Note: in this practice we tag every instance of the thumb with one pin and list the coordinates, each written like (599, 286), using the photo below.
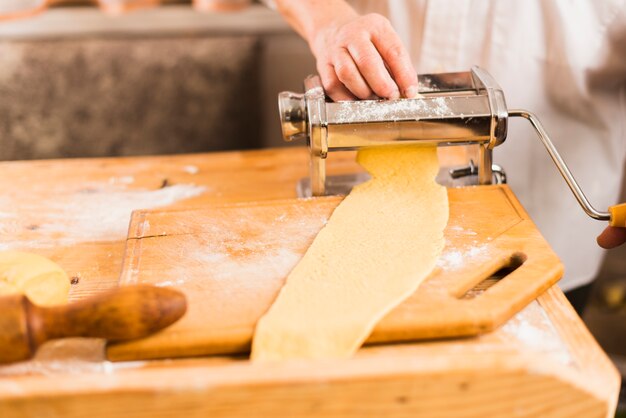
(612, 237)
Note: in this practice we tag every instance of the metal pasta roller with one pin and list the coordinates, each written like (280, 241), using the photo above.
(465, 108)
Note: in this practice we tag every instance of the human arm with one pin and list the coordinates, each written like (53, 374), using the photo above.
(358, 56)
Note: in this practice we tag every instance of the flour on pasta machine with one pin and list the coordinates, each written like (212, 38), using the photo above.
(465, 108)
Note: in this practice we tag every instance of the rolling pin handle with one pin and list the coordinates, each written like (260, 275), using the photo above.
(122, 314)
(125, 313)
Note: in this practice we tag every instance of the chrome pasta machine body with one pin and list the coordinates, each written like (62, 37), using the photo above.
(463, 108)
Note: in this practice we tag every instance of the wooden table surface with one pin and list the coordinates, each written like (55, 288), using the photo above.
(544, 362)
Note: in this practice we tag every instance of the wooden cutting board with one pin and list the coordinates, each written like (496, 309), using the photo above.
(231, 261)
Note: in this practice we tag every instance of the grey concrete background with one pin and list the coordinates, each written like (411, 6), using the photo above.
(98, 97)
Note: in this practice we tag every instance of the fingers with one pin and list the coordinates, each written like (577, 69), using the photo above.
(348, 73)
(612, 237)
(363, 58)
(390, 48)
(372, 68)
(332, 85)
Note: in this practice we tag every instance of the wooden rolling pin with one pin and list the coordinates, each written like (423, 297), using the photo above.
(126, 313)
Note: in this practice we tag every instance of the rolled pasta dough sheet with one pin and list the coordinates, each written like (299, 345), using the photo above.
(380, 243)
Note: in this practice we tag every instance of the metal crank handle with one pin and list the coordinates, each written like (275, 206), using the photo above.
(616, 214)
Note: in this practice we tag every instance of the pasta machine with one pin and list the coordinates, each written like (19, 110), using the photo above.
(463, 108)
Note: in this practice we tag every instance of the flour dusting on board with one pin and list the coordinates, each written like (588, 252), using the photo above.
(277, 261)
(242, 251)
(452, 259)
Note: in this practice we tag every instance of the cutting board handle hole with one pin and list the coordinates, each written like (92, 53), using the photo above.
(511, 264)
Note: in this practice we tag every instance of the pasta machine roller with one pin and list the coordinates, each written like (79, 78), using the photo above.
(463, 108)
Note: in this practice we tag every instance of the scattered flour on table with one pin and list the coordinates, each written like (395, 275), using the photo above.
(122, 180)
(101, 214)
(191, 169)
(67, 356)
(533, 329)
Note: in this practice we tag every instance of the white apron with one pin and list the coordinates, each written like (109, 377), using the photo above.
(563, 60)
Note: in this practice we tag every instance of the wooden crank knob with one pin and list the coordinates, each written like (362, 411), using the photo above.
(125, 313)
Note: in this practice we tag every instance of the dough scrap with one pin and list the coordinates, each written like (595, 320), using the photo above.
(40, 279)
(380, 243)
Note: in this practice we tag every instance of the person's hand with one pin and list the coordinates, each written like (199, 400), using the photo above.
(612, 237)
(362, 57)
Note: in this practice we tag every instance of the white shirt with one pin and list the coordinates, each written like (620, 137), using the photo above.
(563, 60)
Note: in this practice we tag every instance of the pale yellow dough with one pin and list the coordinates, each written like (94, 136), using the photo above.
(380, 243)
(40, 279)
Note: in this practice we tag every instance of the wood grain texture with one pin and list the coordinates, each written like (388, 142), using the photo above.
(53, 192)
(494, 375)
(543, 362)
(231, 261)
